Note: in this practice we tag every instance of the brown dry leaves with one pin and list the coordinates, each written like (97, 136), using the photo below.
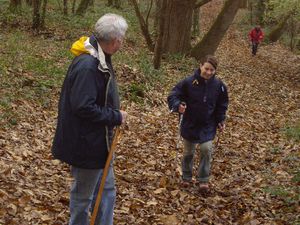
(34, 187)
(244, 165)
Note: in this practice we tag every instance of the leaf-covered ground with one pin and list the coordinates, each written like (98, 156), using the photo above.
(255, 169)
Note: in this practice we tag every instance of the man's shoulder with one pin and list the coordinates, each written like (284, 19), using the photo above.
(86, 61)
(84, 65)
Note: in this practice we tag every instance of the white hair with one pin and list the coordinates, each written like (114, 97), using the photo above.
(109, 27)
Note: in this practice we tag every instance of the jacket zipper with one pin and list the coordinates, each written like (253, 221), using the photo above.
(105, 104)
(205, 91)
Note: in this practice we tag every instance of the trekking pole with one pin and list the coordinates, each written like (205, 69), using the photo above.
(178, 140)
(218, 139)
(219, 134)
(179, 127)
(179, 136)
(104, 175)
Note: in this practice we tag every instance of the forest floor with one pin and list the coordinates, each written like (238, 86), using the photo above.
(255, 169)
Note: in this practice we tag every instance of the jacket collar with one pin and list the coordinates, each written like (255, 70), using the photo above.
(201, 79)
(93, 47)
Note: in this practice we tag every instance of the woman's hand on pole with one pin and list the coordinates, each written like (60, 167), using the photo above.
(182, 107)
(221, 127)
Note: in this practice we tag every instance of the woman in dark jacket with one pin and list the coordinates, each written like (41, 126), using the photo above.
(203, 100)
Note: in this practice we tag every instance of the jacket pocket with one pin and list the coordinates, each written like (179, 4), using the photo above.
(92, 144)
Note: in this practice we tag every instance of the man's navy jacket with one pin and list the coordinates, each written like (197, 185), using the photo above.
(88, 111)
(207, 102)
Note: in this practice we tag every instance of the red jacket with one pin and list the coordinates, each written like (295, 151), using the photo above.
(256, 35)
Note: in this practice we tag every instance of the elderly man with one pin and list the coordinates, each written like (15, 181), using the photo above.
(89, 109)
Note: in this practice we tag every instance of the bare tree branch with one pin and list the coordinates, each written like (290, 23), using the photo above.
(151, 3)
(158, 45)
(143, 25)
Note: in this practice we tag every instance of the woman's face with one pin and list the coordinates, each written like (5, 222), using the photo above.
(207, 70)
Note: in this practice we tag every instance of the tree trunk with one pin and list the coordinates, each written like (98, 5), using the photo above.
(196, 18)
(59, 6)
(14, 5)
(43, 16)
(92, 5)
(83, 5)
(178, 24)
(117, 4)
(65, 7)
(73, 6)
(298, 44)
(29, 2)
(143, 25)
(200, 3)
(250, 7)
(110, 3)
(276, 33)
(36, 22)
(158, 45)
(157, 14)
(292, 28)
(260, 11)
(244, 4)
(210, 42)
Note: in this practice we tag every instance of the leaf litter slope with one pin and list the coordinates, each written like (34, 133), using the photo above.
(253, 155)
(252, 169)
(252, 159)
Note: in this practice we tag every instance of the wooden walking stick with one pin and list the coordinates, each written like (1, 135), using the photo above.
(218, 139)
(104, 175)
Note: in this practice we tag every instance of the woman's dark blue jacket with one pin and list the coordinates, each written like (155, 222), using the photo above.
(207, 102)
(87, 112)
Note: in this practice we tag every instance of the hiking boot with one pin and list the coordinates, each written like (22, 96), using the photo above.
(186, 183)
(203, 187)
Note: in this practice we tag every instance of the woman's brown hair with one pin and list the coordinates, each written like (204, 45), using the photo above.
(210, 59)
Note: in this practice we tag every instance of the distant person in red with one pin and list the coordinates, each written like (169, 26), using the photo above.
(256, 36)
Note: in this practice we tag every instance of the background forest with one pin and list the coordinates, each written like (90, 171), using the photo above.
(255, 174)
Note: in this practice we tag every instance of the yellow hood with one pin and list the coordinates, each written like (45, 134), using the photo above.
(78, 46)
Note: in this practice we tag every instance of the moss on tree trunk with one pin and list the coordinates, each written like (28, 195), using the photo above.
(211, 41)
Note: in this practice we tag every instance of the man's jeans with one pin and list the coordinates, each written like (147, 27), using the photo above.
(84, 193)
(188, 158)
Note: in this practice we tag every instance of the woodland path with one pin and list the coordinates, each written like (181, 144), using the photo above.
(253, 156)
